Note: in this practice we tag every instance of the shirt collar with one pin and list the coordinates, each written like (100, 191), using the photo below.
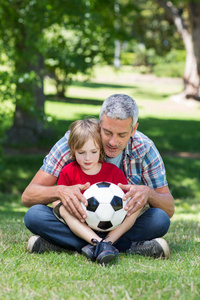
(131, 148)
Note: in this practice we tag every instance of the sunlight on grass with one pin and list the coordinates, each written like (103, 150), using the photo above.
(67, 111)
(152, 94)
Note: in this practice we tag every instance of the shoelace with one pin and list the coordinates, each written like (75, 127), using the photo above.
(98, 245)
(140, 243)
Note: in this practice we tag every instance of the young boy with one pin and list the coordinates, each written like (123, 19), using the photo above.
(87, 166)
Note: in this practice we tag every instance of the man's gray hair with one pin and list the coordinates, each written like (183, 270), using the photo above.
(120, 106)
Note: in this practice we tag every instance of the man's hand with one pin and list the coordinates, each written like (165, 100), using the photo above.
(141, 194)
(71, 197)
(138, 196)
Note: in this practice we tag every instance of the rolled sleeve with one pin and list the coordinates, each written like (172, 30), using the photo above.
(57, 158)
(154, 174)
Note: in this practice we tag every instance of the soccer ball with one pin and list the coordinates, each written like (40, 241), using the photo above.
(105, 210)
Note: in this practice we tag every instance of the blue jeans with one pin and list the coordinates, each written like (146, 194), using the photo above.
(41, 221)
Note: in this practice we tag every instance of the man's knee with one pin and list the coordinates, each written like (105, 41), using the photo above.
(161, 221)
(33, 216)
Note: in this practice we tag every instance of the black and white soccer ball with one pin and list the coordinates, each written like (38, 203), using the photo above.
(105, 210)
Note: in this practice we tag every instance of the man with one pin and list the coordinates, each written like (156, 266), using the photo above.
(136, 155)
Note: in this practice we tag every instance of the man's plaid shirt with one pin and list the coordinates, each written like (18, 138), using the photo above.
(142, 162)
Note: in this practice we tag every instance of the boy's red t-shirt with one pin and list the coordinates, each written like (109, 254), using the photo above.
(72, 174)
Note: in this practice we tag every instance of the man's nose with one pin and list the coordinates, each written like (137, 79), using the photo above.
(113, 141)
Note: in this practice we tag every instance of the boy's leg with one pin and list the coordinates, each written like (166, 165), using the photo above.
(97, 249)
(153, 223)
(81, 230)
(119, 231)
(41, 221)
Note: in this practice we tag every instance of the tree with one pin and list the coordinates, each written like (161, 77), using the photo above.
(23, 31)
(23, 23)
(186, 17)
(73, 51)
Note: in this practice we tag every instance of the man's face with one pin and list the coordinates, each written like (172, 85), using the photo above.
(115, 134)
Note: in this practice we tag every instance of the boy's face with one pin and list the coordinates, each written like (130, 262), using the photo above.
(115, 134)
(88, 157)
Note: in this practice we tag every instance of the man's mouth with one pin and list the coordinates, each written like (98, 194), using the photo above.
(112, 148)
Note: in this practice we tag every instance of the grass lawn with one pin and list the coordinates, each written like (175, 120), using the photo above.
(175, 129)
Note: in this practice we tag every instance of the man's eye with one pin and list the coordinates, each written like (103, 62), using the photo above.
(107, 133)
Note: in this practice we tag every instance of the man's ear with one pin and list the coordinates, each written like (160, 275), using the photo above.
(134, 129)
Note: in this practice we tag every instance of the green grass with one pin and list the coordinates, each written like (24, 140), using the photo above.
(71, 276)
(174, 128)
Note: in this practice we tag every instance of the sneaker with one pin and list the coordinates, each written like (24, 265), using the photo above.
(157, 248)
(36, 244)
(88, 251)
(104, 252)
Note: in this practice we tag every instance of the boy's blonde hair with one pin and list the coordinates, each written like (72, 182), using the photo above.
(80, 132)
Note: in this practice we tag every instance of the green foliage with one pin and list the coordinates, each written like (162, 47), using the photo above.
(127, 58)
(71, 52)
(169, 69)
(150, 26)
(175, 56)
(170, 65)
(69, 37)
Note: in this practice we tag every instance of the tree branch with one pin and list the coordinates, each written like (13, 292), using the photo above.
(174, 14)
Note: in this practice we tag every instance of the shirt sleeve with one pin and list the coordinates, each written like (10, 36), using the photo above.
(153, 173)
(57, 157)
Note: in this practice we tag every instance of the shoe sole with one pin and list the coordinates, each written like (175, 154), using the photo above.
(164, 246)
(105, 258)
(30, 245)
(89, 255)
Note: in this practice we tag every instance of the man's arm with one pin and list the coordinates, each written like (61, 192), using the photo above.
(42, 190)
(141, 194)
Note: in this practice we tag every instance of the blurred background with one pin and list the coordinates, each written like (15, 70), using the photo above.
(60, 59)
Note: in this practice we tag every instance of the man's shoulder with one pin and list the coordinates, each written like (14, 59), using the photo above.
(141, 138)
(61, 147)
(64, 140)
(139, 145)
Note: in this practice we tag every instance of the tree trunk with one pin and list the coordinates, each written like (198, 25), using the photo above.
(190, 35)
(117, 53)
(194, 17)
(28, 126)
(117, 60)
(191, 75)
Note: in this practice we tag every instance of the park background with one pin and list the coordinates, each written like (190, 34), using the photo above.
(58, 61)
